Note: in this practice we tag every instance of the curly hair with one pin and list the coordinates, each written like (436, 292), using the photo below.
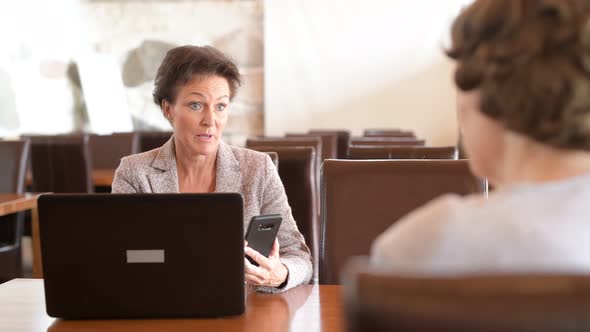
(182, 64)
(530, 60)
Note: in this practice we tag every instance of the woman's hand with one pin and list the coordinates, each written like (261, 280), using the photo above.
(269, 272)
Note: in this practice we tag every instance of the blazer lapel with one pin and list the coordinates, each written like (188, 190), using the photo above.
(165, 176)
(229, 177)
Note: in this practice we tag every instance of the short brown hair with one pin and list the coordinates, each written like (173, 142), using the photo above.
(530, 60)
(182, 64)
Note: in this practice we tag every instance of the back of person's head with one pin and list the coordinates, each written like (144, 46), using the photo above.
(530, 62)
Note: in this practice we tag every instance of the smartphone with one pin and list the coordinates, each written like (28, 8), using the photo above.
(261, 234)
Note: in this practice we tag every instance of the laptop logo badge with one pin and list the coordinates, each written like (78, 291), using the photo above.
(145, 256)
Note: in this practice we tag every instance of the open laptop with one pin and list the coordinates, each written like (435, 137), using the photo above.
(142, 255)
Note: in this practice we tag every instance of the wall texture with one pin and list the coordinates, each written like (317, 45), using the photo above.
(48, 51)
(356, 65)
(139, 33)
(306, 63)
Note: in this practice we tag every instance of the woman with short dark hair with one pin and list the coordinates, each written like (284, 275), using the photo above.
(194, 88)
(523, 78)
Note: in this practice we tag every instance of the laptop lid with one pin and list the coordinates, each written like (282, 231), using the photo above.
(142, 255)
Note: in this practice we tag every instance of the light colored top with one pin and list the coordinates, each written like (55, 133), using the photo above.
(239, 170)
(525, 228)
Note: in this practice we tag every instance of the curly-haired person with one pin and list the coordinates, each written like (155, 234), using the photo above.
(523, 79)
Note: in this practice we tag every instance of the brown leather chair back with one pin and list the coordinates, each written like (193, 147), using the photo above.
(61, 164)
(387, 141)
(14, 156)
(380, 301)
(107, 150)
(461, 148)
(149, 140)
(274, 157)
(388, 133)
(314, 142)
(362, 198)
(297, 172)
(13, 168)
(343, 137)
(329, 144)
(401, 152)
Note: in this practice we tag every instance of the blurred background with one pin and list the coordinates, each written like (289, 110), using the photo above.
(88, 66)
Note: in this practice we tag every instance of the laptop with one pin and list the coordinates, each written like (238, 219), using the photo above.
(142, 255)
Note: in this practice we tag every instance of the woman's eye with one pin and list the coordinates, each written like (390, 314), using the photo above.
(221, 107)
(196, 106)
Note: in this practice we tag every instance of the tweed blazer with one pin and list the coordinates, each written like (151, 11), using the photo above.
(239, 170)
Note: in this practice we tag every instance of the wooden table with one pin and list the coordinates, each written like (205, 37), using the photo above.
(13, 203)
(304, 308)
(100, 177)
(103, 177)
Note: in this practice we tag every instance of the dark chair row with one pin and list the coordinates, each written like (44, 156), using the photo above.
(388, 133)
(402, 152)
(13, 165)
(387, 141)
(335, 144)
(356, 191)
(63, 163)
(59, 164)
(304, 199)
(107, 150)
(343, 138)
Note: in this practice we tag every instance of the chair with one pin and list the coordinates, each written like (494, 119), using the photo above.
(329, 144)
(297, 172)
(379, 301)
(274, 157)
(13, 167)
(461, 148)
(149, 140)
(61, 164)
(401, 152)
(343, 137)
(107, 150)
(387, 141)
(314, 142)
(362, 198)
(388, 133)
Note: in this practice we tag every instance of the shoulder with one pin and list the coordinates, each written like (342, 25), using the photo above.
(137, 164)
(416, 236)
(250, 159)
(131, 174)
(140, 159)
(442, 210)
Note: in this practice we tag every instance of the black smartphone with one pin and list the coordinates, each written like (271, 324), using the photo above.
(261, 234)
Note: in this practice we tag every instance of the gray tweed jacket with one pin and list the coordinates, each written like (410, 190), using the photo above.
(244, 171)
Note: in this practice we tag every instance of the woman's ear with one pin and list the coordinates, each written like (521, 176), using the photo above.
(167, 110)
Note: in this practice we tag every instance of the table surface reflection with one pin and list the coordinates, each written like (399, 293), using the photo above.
(305, 308)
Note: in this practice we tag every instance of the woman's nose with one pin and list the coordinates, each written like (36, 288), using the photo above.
(208, 118)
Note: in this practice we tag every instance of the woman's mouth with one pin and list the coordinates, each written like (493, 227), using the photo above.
(205, 137)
